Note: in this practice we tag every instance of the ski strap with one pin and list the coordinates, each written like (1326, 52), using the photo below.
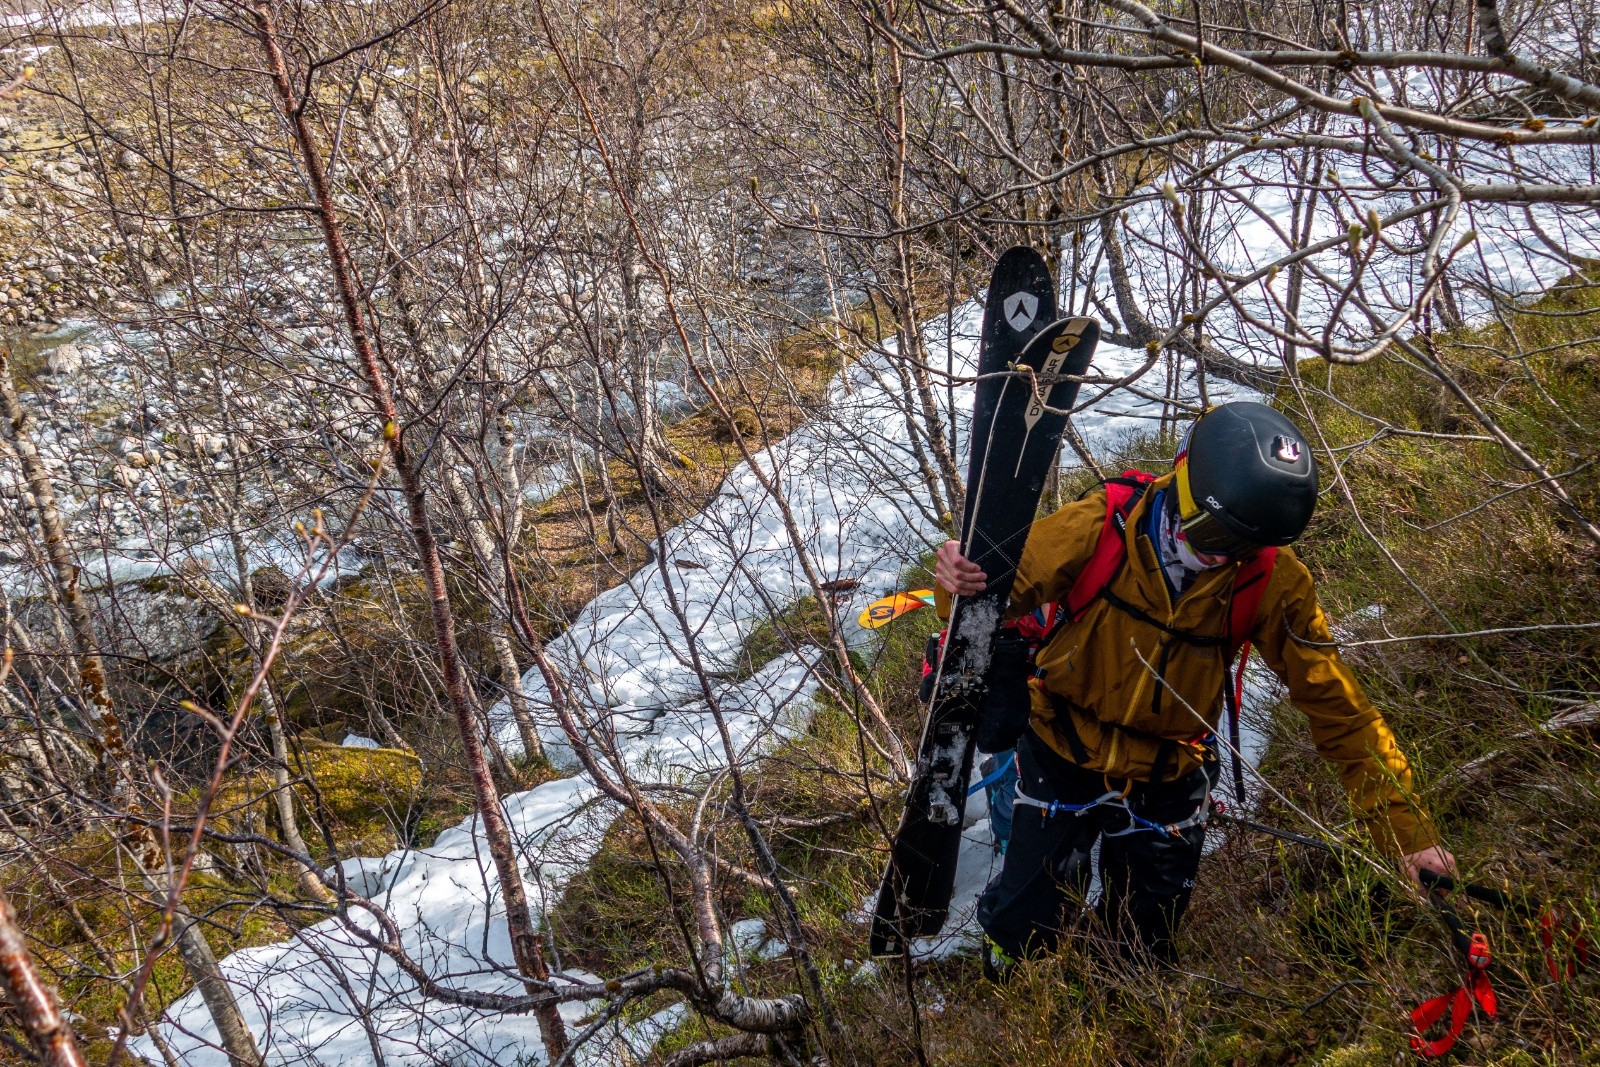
(993, 776)
(1476, 989)
(1233, 700)
(1559, 920)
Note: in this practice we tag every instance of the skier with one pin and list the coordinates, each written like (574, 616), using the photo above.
(1117, 740)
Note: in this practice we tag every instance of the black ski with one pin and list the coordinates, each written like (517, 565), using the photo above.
(1014, 440)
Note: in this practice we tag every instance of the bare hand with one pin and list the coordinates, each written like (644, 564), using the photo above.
(955, 572)
(1434, 859)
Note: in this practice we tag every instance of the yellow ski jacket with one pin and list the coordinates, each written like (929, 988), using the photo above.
(1120, 696)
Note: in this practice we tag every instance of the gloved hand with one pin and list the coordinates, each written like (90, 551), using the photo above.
(1009, 703)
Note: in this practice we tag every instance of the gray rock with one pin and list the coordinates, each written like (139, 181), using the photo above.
(64, 360)
(210, 444)
(153, 619)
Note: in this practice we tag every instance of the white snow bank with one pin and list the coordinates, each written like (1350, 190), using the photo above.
(1248, 225)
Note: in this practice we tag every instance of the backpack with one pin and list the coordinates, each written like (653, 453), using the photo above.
(1094, 582)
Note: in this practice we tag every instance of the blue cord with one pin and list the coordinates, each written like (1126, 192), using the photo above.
(994, 775)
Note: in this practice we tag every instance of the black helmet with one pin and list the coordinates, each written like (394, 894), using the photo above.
(1246, 478)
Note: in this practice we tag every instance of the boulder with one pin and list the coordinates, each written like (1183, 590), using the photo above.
(155, 618)
(64, 359)
(209, 444)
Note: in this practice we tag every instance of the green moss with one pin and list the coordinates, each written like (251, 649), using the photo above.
(368, 791)
(92, 872)
(369, 796)
(802, 623)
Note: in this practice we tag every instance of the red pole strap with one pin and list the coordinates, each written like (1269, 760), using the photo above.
(1238, 678)
(1475, 988)
(1551, 922)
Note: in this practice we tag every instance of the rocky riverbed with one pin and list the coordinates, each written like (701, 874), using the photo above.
(137, 463)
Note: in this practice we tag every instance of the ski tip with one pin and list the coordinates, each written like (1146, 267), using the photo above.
(1076, 335)
(1021, 296)
(1018, 256)
(886, 610)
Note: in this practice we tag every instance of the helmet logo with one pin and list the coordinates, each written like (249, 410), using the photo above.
(1286, 449)
(1020, 308)
(1215, 503)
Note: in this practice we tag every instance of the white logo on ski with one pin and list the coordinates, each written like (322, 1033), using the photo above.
(1020, 308)
(1052, 366)
(1060, 347)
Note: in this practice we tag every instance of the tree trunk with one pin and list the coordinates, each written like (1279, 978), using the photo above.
(516, 696)
(526, 949)
(91, 676)
(197, 956)
(311, 882)
(32, 1000)
(500, 633)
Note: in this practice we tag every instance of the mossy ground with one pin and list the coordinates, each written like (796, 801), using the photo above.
(95, 889)
(1290, 955)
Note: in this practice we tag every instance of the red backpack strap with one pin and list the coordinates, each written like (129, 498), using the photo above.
(1249, 586)
(1112, 547)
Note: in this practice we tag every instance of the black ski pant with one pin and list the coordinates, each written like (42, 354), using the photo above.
(1145, 877)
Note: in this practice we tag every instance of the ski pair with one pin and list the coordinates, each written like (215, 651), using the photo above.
(1025, 356)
